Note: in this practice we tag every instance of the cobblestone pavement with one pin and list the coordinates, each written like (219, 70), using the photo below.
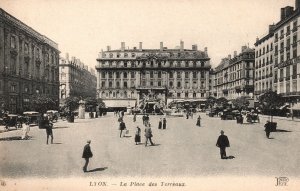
(183, 149)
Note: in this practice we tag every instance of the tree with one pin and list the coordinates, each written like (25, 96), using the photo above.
(72, 103)
(241, 103)
(222, 101)
(90, 102)
(210, 102)
(42, 103)
(100, 103)
(270, 101)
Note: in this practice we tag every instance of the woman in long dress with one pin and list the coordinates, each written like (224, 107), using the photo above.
(160, 123)
(137, 137)
(198, 121)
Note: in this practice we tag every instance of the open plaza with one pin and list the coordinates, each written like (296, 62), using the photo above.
(181, 150)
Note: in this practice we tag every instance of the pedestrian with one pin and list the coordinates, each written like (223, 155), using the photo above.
(147, 120)
(137, 137)
(87, 154)
(144, 118)
(199, 121)
(48, 126)
(192, 114)
(148, 135)
(25, 130)
(122, 127)
(160, 123)
(164, 123)
(268, 129)
(134, 117)
(187, 114)
(222, 143)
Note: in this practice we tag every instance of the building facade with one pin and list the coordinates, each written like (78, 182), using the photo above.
(285, 66)
(165, 74)
(28, 64)
(264, 64)
(234, 77)
(76, 79)
(287, 53)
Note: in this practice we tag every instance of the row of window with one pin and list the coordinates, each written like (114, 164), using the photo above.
(153, 83)
(288, 31)
(153, 63)
(13, 45)
(132, 54)
(152, 74)
(126, 95)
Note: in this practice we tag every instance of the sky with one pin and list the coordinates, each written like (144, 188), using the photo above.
(84, 27)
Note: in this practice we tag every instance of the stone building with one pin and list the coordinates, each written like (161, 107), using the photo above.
(76, 79)
(127, 76)
(234, 77)
(287, 53)
(264, 64)
(28, 64)
(284, 69)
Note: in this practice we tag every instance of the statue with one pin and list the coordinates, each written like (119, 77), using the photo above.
(81, 109)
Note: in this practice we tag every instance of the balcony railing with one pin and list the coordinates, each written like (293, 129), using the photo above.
(294, 29)
(288, 33)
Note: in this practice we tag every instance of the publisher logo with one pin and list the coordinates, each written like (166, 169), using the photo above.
(281, 181)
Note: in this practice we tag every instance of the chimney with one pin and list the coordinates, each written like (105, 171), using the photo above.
(244, 48)
(205, 49)
(181, 45)
(288, 11)
(297, 6)
(229, 56)
(67, 56)
(141, 46)
(122, 46)
(235, 53)
(73, 59)
(194, 47)
(271, 28)
(282, 14)
(161, 46)
(108, 48)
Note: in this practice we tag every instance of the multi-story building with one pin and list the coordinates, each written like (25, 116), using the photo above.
(278, 69)
(129, 75)
(76, 79)
(264, 64)
(287, 53)
(28, 64)
(234, 77)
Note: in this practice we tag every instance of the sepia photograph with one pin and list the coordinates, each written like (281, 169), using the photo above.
(121, 95)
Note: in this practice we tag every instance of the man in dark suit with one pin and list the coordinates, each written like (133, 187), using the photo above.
(268, 129)
(87, 154)
(222, 143)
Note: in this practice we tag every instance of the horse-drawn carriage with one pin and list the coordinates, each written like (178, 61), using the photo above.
(12, 120)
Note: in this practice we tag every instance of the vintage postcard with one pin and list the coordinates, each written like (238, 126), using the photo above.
(149, 95)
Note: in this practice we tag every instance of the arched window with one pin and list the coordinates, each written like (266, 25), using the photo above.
(179, 84)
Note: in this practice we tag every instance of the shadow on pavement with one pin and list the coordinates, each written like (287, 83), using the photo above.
(271, 138)
(15, 138)
(57, 143)
(282, 131)
(127, 136)
(229, 157)
(97, 169)
(60, 127)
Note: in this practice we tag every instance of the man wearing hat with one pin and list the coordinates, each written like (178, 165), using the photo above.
(222, 143)
(87, 154)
